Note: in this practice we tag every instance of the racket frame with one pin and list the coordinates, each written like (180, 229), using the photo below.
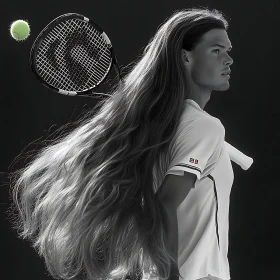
(46, 31)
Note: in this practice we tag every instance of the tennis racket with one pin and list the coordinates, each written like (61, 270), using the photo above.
(72, 55)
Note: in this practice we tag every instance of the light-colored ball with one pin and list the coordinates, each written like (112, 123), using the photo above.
(20, 30)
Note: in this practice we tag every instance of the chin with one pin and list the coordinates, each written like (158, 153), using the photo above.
(223, 87)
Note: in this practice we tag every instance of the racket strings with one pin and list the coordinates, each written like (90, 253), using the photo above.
(74, 56)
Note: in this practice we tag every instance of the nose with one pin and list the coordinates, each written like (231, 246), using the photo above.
(229, 62)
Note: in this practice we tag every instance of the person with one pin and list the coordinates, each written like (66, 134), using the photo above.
(88, 201)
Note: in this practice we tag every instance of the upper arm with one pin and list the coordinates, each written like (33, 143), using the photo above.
(174, 189)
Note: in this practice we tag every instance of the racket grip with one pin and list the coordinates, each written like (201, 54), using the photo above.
(238, 157)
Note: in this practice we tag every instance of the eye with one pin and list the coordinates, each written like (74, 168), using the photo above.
(219, 50)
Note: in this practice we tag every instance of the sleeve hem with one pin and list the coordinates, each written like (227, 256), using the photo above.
(175, 169)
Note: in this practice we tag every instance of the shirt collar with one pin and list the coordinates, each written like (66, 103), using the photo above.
(191, 101)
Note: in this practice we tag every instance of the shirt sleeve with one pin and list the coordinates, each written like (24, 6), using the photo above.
(198, 148)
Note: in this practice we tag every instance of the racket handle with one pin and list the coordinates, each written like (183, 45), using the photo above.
(238, 157)
(74, 93)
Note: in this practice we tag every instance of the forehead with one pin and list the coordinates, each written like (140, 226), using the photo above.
(215, 36)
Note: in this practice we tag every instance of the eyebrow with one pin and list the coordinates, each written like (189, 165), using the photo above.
(217, 45)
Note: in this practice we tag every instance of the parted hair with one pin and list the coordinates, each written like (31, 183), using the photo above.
(86, 200)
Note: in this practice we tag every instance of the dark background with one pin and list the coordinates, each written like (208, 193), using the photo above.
(248, 111)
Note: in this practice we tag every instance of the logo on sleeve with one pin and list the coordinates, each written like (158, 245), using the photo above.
(193, 160)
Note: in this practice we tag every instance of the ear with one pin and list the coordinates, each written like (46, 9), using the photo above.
(185, 55)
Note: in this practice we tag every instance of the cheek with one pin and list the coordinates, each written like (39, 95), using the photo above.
(204, 71)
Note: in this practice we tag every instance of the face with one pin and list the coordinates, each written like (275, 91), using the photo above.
(208, 61)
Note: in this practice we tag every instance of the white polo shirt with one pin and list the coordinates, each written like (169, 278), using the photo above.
(199, 147)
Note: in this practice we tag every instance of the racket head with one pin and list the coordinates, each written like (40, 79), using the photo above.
(72, 55)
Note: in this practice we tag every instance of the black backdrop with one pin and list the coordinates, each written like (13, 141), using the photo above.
(248, 111)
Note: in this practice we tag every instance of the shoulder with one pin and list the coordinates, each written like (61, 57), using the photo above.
(206, 126)
(192, 117)
(195, 129)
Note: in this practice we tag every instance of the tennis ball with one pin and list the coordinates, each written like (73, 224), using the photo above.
(20, 30)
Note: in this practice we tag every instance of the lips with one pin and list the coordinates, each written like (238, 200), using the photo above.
(227, 72)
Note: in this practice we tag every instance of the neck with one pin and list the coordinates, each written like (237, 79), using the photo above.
(200, 97)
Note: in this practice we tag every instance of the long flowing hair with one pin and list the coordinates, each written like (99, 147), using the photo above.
(86, 200)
